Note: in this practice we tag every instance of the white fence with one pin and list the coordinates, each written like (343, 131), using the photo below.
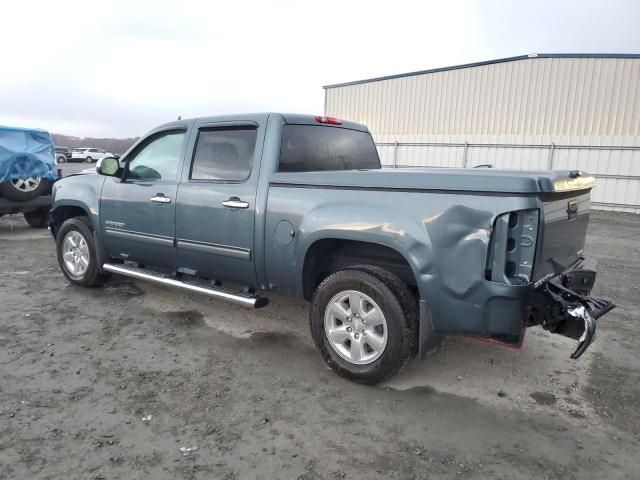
(616, 167)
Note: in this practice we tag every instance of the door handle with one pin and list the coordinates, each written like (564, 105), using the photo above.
(235, 202)
(160, 198)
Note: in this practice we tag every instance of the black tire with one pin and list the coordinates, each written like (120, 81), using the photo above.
(89, 160)
(91, 277)
(37, 218)
(9, 191)
(400, 310)
(61, 159)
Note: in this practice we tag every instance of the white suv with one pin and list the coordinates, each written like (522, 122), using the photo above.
(89, 155)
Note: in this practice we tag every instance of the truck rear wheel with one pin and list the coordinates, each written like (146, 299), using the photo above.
(77, 254)
(37, 218)
(364, 322)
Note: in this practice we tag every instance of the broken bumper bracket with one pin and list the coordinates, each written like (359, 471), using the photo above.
(582, 312)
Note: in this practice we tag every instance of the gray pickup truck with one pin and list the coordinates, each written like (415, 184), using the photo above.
(391, 260)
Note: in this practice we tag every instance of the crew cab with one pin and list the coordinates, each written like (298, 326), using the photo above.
(390, 260)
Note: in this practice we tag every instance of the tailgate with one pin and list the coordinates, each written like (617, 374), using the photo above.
(566, 218)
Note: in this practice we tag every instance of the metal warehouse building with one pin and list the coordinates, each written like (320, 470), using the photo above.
(528, 112)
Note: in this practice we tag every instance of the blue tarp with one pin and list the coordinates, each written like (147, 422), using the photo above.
(26, 153)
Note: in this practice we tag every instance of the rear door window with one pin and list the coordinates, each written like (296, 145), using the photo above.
(307, 148)
(224, 154)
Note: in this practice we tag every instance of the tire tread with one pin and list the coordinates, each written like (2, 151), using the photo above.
(409, 322)
(93, 277)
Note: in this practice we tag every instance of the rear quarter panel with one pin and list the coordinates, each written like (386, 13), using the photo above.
(443, 236)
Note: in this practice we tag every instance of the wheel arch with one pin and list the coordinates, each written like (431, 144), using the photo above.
(60, 213)
(332, 253)
(74, 209)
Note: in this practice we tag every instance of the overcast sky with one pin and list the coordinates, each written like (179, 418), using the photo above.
(119, 68)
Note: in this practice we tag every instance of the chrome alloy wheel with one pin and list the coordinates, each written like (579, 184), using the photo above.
(26, 184)
(75, 253)
(356, 327)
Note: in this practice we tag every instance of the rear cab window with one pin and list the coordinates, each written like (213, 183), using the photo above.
(309, 148)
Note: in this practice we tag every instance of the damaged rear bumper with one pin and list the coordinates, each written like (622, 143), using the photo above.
(562, 304)
(500, 313)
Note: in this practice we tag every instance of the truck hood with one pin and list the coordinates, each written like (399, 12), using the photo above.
(86, 171)
(449, 179)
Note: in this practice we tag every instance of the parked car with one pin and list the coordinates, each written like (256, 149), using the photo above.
(63, 154)
(89, 155)
(27, 171)
(77, 155)
(391, 260)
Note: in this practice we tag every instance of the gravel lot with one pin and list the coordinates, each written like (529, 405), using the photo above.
(109, 383)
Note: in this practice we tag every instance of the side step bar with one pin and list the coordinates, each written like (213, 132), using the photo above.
(241, 298)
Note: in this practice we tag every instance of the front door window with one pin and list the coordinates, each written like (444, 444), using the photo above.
(158, 158)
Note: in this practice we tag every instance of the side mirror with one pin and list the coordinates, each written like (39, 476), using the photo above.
(108, 166)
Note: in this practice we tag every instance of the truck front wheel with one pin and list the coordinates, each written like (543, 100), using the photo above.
(77, 254)
(364, 322)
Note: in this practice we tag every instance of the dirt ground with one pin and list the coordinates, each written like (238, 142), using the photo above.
(110, 383)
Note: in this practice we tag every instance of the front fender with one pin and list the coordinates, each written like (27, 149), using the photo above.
(78, 195)
(79, 191)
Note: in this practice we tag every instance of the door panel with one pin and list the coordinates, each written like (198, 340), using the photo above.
(135, 228)
(214, 240)
(138, 214)
(216, 203)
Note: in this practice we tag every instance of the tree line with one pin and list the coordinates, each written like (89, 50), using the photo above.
(113, 145)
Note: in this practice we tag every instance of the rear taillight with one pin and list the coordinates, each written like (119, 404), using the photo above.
(513, 246)
(328, 120)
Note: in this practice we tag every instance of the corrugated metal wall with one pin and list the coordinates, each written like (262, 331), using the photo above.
(533, 113)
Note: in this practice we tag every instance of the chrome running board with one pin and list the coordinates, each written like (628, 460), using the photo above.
(242, 298)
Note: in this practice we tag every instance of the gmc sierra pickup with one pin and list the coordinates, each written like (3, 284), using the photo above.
(391, 260)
